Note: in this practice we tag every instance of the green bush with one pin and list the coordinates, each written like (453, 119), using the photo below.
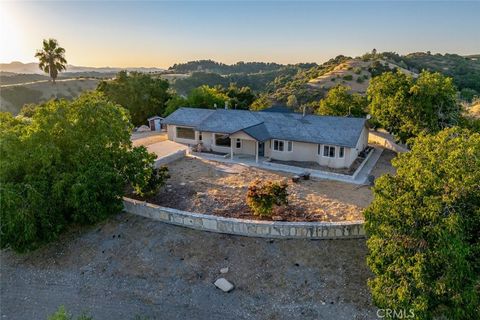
(332, 79)
(69, 163)
(263, 196)
(155, 181)
(423, 229)
(62, 314)
(360, 80)
(348, 77)
(357, 70)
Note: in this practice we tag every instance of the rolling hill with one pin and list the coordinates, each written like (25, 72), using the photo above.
(354, 73)
(13, 97)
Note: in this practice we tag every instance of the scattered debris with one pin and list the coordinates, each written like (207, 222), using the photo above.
(224, 285)
(277, 218)
(305, 175)
(224, 270)
(182, 183)
(295, 178)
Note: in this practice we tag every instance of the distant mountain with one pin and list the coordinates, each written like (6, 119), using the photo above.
(32, 68)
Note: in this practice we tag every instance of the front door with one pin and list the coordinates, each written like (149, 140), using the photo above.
(261, 149)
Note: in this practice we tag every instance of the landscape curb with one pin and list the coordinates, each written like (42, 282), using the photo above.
(249, 228)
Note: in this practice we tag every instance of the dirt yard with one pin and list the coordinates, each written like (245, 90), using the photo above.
(131, 267)
(217, 188)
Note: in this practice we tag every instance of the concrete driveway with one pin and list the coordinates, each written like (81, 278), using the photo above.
(165, 148)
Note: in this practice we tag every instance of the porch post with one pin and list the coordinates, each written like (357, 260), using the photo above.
(231, 149)
(256, 151)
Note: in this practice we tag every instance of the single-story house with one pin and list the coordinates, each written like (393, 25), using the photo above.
(155, 123)
(330, 141)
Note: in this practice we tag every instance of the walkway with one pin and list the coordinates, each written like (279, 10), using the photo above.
(358, 178)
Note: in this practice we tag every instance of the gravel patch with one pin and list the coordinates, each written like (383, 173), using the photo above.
(131, 266)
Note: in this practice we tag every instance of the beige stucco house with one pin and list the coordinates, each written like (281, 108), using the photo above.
(329, 141)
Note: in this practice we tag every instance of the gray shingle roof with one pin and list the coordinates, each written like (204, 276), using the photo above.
(342, 131)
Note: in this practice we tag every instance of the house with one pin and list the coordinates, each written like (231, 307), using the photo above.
(330, 141)
(155, 123)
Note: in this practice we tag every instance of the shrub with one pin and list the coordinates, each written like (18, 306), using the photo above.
(360, 80)
(263, 196)
(154, 182)
(332, 79)
(69, 163)
(357, 70)
(63, 314)
(348, 77)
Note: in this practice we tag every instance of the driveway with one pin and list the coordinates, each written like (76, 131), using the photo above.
(165, 148)
(131, 266)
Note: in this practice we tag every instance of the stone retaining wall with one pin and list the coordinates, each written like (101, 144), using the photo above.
(250, 228)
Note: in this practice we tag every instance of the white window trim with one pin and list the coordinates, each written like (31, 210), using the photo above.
(342, 157)
(215, 140)
(238, 140)
(330, 146)
(176, 133)
(285, 145)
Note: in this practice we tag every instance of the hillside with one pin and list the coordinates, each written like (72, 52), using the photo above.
(13, 97)
(354, 73)
(32, 67)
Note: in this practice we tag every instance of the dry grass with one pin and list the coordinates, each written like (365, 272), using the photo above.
(348, 69)
(216, 188)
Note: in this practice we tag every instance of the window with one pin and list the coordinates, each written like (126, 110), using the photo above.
(329, 151)
(200, 136)
(289, 146)
(222, 140)
(185, 133)
(341, 152)
(278, 145)
(238, 144)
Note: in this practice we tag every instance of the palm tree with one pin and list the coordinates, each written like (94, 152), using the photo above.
(51, 58)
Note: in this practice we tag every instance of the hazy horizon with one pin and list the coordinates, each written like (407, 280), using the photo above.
(159, 34)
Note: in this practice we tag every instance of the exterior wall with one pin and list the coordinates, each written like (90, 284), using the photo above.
(248, 144)
(301, 151)
(172, 135)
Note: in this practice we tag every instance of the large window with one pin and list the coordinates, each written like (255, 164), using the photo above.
(279, 145)
(329, 151)
(222, 140)
(185, 133)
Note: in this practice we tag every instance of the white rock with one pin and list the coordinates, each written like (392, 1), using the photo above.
(224, 270)
(182, 183)
(224, 285)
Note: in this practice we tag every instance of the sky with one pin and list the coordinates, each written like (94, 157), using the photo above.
(161, 33)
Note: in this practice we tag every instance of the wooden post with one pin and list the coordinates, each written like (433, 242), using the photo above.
(256, 151)
(231, 149)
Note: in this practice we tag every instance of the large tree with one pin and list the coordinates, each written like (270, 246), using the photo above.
(423, 229)
(51, 58)
(340, 102)
(201, 97)
(142, 95)
(69, 163)
(407, 107)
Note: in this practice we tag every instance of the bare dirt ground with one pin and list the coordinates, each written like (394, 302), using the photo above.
(130, 267)
(217, 188)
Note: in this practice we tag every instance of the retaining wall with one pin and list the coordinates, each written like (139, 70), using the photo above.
(385, 140)
(169, 158)
(250, 228)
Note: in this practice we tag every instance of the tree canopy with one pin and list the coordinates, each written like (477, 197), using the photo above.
(51, 58)
(142, 95)
(69, 163)
(424, 229)
(340, 102)
(407, 107)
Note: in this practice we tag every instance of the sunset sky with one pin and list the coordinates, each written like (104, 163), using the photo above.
(132, 34)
